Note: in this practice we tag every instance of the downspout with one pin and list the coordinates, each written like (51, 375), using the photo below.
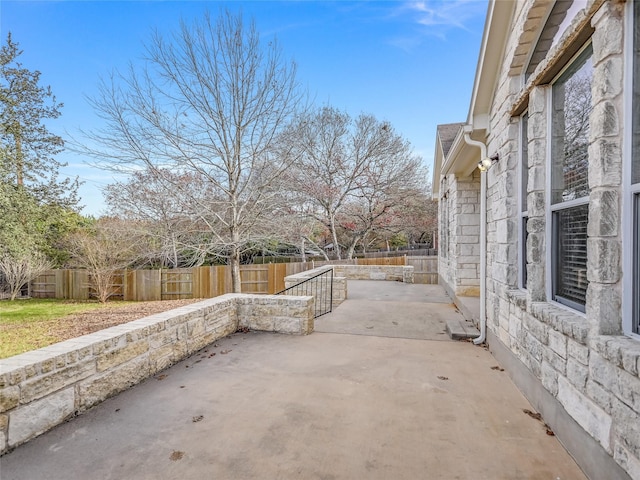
(483, 236)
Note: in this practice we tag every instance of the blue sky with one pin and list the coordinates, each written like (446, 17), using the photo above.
(410, 63)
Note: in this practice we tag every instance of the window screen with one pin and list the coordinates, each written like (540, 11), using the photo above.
(570, 226)
(524, 180)
(524, 154)
(523, 261)
(635, 161)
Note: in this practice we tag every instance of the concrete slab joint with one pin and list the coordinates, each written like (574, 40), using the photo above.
(43, 388)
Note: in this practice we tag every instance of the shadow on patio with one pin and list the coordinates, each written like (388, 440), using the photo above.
(377, 391)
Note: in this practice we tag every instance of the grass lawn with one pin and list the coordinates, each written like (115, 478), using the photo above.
(30, 324)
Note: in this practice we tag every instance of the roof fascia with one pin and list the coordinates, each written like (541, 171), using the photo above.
(492, 48)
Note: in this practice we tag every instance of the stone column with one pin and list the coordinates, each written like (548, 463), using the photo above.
(604, 269)
(536, 244)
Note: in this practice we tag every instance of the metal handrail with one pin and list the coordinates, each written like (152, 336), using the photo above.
(318, 287)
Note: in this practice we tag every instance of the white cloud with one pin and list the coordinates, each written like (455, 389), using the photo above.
(448, 13)
(435, 18)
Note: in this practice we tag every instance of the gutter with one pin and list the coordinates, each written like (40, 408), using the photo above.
(483, 236)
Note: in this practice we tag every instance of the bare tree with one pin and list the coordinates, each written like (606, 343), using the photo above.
(18, 271)
(210, 101)
(161, 214)
(109, 247)
(351, 172)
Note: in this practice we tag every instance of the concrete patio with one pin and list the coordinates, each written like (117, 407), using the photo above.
(378, 391)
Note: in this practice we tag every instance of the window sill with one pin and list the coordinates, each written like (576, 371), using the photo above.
(622, 351)
(518, 297)
(561, 319)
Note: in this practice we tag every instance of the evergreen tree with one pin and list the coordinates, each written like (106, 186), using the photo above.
(29, 148)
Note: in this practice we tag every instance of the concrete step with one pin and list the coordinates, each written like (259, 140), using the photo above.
(459, 329)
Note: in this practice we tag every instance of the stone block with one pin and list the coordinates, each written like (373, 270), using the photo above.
(112, 358)
(604, 208)
(608, 38)
(578, 352)
(599, 395)
(287, 325)
(627, 425)
(577, 374)
(594, 420)
(161, 358)
(196, 326)
(41, 386)
(536, 328)
(603, 260)
(9, 398)
(555, 360)
(4, 424)
(262, 322)
(549, 378)
(604, 121)
(164, 337)
(629, 462)
(558, 343)
(198, 342)
(100, 387)
(608, 78)
(605, 163)
(37, 417)
(603, 309)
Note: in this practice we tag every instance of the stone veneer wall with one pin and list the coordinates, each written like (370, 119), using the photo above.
(460, 269)
(45, 387)
(582, 362)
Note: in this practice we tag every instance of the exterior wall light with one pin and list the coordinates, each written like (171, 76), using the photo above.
(486, 163)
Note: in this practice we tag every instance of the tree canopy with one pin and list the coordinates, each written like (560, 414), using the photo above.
(28, 147)
(210, 101)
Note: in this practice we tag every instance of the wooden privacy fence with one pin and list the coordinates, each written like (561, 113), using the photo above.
(199, 282)
(425, 269)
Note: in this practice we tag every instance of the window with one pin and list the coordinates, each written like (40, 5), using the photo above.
(636, 263)
(569, 196)
(524, 179)
(635, 175)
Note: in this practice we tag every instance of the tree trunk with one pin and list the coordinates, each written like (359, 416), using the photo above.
(234, 261)
(302, 250)
(334, 234)
(352, 247)
(19, 161)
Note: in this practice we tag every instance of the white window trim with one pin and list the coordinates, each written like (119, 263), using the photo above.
(522, 211)
(629, 191)
(551, 208)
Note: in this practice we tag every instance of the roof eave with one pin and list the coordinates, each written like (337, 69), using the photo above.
(496, 31)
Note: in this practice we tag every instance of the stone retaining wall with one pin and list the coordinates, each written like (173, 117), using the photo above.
(339, 293)
(375, 272)
(45, 387)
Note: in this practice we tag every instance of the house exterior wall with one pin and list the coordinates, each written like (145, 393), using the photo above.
(459, 213)
(582, 360)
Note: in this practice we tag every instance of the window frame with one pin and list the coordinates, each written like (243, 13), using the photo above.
(552, 209)
(631, 192)
(523, 215)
